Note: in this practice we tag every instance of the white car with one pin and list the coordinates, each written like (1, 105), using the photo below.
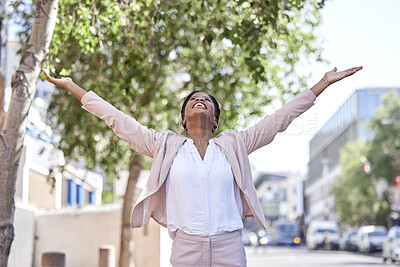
(391, 246)
(370, 238)
(322, 234)
(348, 241)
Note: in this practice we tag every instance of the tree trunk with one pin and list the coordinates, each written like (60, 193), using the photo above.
(126, 230)
(3, 57)
(2, 92)
(11, 137)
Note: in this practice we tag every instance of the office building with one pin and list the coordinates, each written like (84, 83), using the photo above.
(347, 124)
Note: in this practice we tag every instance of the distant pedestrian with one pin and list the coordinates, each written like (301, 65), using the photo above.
(200, 187)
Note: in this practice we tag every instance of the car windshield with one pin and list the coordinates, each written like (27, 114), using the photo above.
(377, 234)
(286, 228)
(351, 234)
(326, 230)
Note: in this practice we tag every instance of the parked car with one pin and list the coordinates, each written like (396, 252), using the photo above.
(322, 234)
(348, 241)
(391, 246)
(287, 233)
(370, 238)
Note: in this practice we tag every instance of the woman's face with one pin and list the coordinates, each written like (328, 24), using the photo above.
(200, 106)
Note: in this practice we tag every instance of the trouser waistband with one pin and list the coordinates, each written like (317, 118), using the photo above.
(212, 238)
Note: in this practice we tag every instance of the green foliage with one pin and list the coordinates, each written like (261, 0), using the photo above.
(107, 196)
(356, 197)
(21, 16)
(385, 151)
(144, 57)
(356, 200)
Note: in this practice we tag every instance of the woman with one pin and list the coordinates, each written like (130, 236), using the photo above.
(200, 187)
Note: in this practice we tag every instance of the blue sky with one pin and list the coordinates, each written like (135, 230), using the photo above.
(353, 33)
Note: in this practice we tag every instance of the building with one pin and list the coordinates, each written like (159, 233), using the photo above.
(347, 124)
(281, 196)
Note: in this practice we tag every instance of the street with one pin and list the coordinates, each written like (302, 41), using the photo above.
(302, 257)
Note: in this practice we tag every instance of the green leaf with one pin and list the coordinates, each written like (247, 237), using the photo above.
(65, 72)
(41, 76)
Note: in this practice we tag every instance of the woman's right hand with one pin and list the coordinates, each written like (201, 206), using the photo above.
(63, 82)
(67, 83)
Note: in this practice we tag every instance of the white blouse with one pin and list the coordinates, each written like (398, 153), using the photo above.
(201, 195)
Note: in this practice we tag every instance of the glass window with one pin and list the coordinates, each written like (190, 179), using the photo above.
(45, 94)
(71, 193)
(80, 195)
(92, 197)
(377, 234)
(283, 194)
(369, 100)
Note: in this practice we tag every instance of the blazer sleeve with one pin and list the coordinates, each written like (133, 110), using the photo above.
(140, 138)
(265, 130)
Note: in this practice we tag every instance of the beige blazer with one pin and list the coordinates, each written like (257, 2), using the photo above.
(163, 146)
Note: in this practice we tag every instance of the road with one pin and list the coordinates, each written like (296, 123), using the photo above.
(301, 257)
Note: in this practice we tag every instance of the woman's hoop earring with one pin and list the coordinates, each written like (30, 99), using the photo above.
(214, 127)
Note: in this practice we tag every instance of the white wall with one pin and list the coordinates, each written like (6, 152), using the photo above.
(78, 233)
(21, 253)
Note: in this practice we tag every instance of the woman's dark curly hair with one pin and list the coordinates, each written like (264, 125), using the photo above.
(217, 110)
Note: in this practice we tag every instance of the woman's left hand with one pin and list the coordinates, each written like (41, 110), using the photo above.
(334, 75)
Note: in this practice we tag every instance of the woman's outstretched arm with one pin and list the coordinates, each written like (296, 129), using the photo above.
(67, 83)
(139, 137)
(265, 130)
(331, 77)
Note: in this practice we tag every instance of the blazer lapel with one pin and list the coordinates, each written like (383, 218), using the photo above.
(230, 155)
(172, 147)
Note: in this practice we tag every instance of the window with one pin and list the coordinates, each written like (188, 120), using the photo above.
(76, 194)
(79, 195)
(283, 194)
(71, 193)
(92, 197)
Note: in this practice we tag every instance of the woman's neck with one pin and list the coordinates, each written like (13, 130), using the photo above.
(199, 135)
(198, 130)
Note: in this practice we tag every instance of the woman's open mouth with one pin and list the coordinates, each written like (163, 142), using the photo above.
(201, 105)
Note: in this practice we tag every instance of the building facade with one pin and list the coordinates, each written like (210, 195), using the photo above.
(347, 124)
(281, 195)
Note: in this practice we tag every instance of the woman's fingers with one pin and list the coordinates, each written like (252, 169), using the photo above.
(45, 73)
(58, 82)
(334, 76)
(353, 70)
(48, 77)
(349, 72)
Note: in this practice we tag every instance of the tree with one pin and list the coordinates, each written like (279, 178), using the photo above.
(3, 46)
(355, 189)
(143, 57)
(356, 200)
(11, 137)
(385, 150)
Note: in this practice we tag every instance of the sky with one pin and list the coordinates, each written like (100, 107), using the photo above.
(353, 33)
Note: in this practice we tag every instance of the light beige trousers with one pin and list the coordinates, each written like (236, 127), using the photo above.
(221, 250)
